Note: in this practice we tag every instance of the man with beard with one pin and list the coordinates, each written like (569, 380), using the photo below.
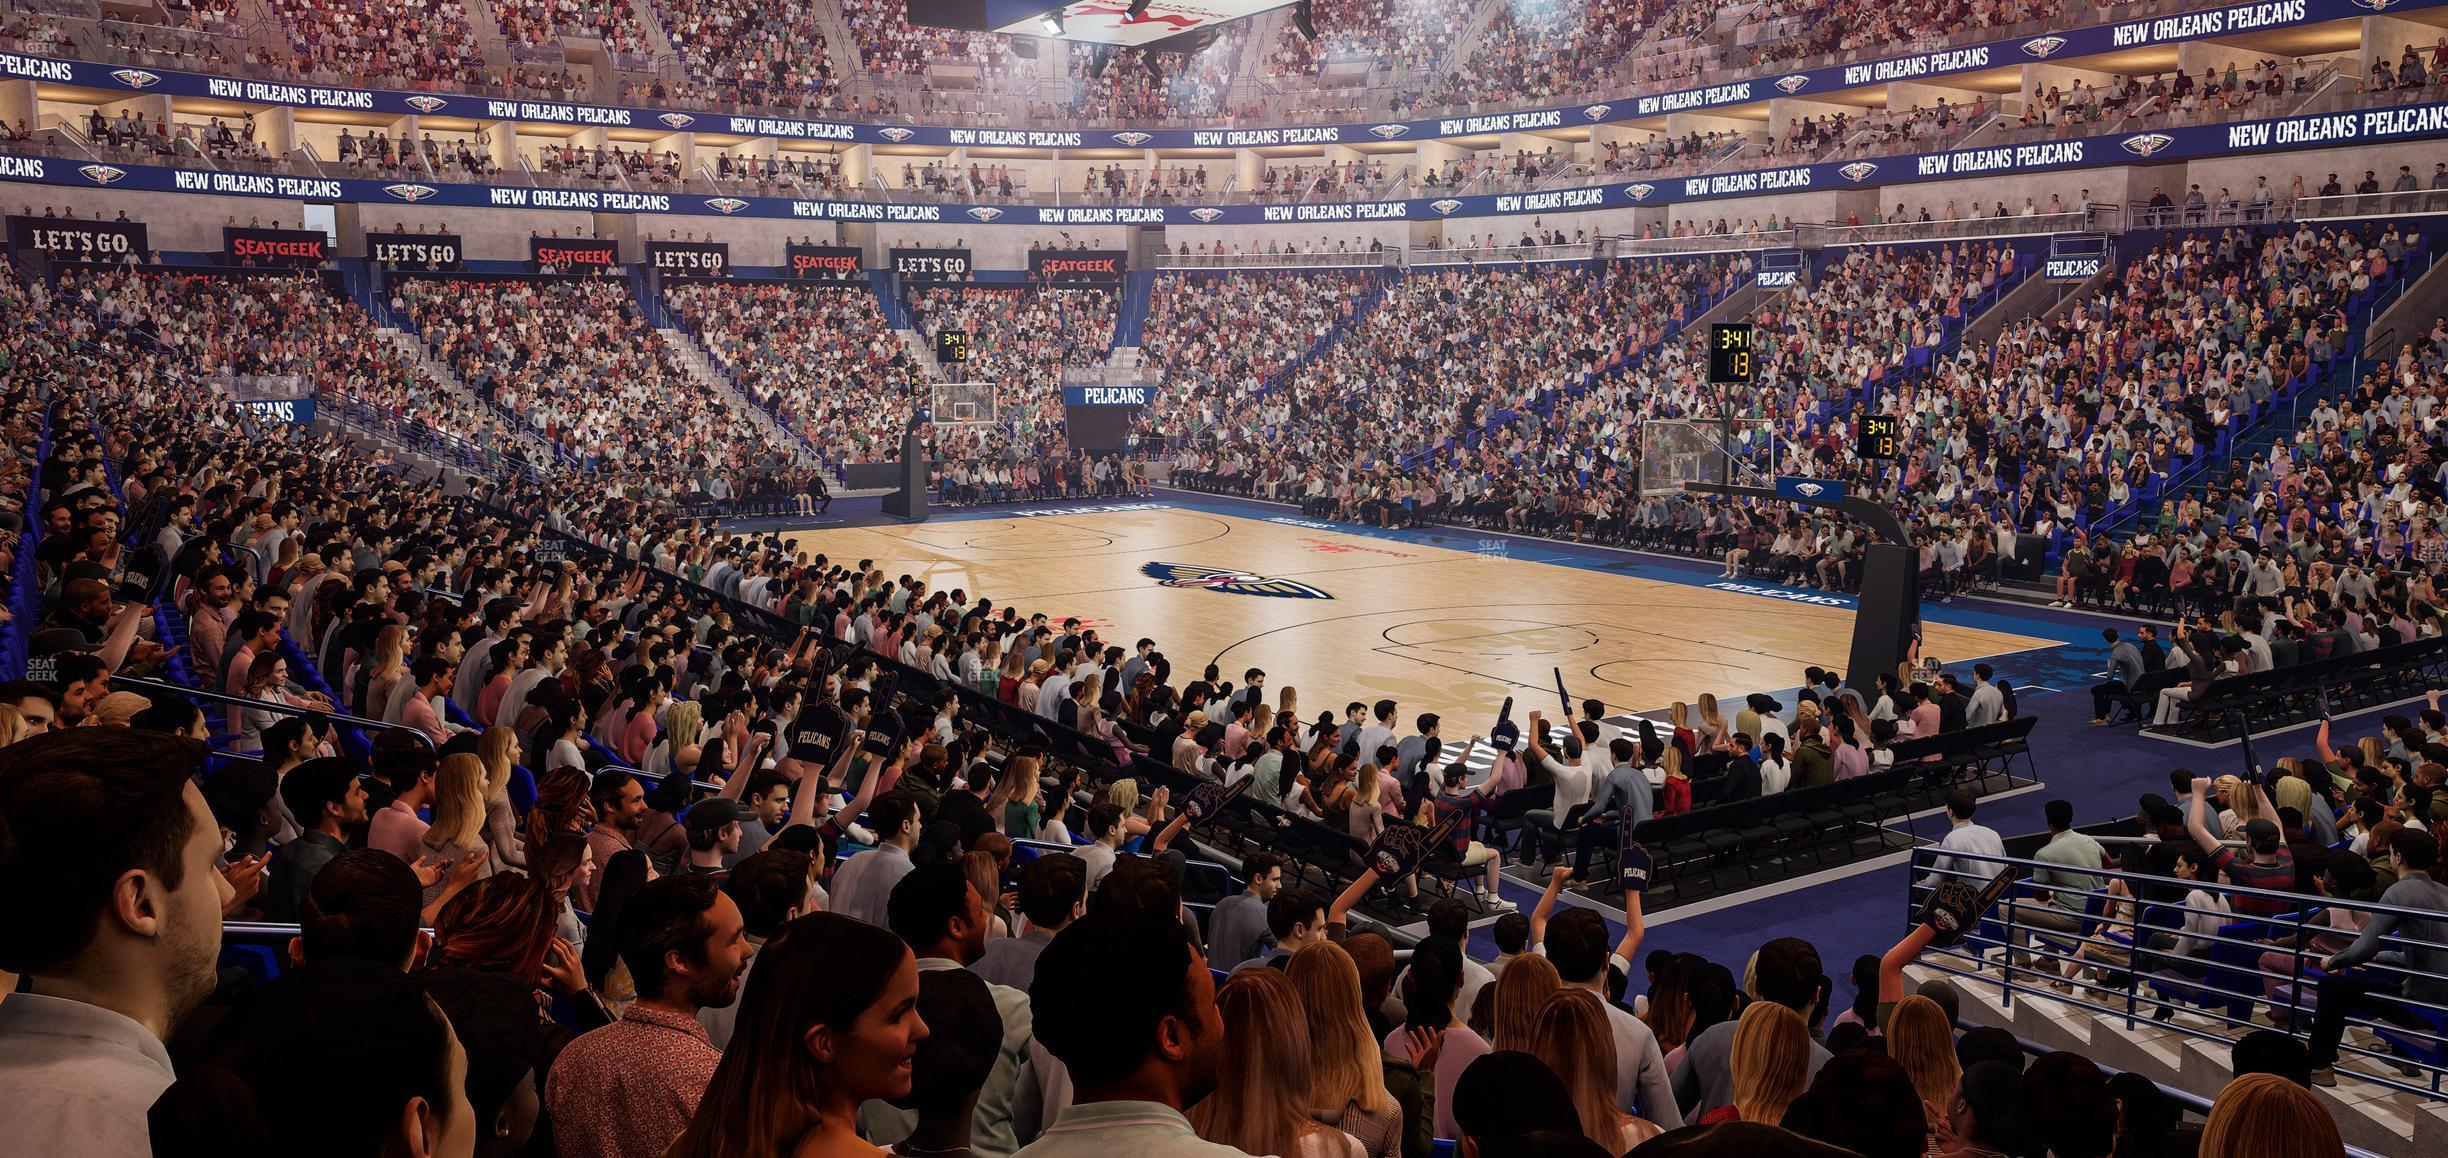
(329, 801)
(626, 1090)
(113, 902)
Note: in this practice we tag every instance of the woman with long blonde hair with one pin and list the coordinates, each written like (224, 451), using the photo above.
(1521, 991)
(1771, 1065)
(2268, 1116)
(1287, 703)
(1712, 726)
(1571, 1034)
(498, 747)
(1920, 1040)
(380, 674)
(1015, 799)
(1260, 1103)
(1347, 1087)
(458, 816)
(679, 748)
(12, 725)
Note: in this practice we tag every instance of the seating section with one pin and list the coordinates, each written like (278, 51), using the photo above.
(1396, 388)
(769, 55)
(1216, 345)
(819, 358)
(1020, 340)
(543, 22)
(399, 41)
(576, 361)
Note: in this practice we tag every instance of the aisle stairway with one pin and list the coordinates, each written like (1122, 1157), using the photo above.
(2371, 1117)
(694, 359)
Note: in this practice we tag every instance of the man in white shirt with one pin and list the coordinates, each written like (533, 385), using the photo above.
(1056, 688)
(1575, 943)
(1106, 833)
(863, 885)
(1965, 836)
(546, 664)
(938, 913)
(1987, 703)
(1573, 778)
(1378, 733)
(111, 815)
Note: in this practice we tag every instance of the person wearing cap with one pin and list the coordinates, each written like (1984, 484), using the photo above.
(2265, 864)
(713, 834)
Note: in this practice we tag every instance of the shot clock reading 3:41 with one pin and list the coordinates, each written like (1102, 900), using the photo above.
(1878, 436)
(1730, 361)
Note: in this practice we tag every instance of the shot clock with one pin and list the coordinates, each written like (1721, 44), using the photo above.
(1879, 437)
(951, 346)
(1730, 353)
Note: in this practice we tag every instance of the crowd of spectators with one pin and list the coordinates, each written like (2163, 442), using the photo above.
(544, 22)
(816, 357)
(1546, 50)
(929, 990)
(400, 42)
(576, 362)
(769, 56)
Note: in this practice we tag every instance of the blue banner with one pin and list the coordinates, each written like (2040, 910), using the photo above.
(1105, 395)
(1810, 490)
(296, 410)
(2325, 130)
(2228, 20)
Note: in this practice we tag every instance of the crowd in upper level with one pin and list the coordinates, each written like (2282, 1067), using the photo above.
(1369, 58)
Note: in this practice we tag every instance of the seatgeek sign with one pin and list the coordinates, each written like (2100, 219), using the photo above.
(2223, 20)
(2330, 130)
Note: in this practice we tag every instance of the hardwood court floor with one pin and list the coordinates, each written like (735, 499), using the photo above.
(1439, 630)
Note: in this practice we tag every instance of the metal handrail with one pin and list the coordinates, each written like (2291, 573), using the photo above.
(1969, 959)
(162, 687)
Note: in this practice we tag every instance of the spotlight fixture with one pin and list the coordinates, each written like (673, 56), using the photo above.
(1053, 22)
(1301, 20)
(1137, 9)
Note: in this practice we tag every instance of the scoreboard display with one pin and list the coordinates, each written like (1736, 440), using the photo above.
(951, 346)
(1879, 437)
(1730, 353)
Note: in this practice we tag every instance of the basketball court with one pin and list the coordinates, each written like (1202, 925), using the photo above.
(1344, 616)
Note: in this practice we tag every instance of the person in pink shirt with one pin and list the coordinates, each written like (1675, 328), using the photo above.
(639, 733)
(211, 610)
(508, 655)
(397, 829)
(433, 677)
(1237, 733)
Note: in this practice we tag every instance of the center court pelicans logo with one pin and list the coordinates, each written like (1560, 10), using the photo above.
(408, 192)
(896, 134)
(725, 205)
(984, 212)
(102, 174)
(1596, 112)
(1205, 213)
(1792, 84)
(136, 78)
(677, 120)
(2147, 144)
(1389, 132)
(1132, 139)
(2043, 47)
(1447, 205)
(1639, 192)
(1859, 171)
(427, 104)
(1229, 582)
